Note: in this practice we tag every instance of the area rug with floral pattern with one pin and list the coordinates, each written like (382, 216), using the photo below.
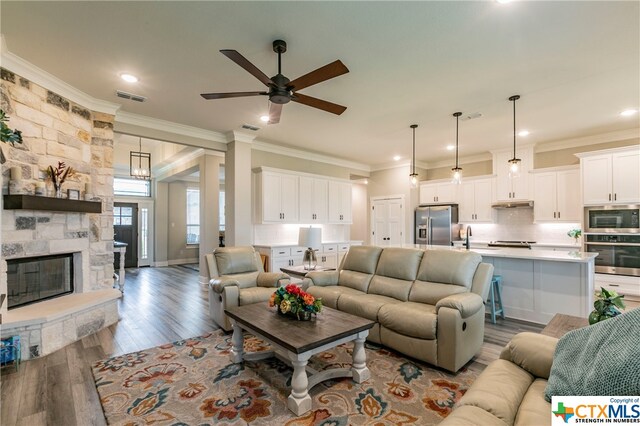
(193, 382)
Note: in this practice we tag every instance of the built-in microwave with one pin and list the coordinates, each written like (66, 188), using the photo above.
(612, 219)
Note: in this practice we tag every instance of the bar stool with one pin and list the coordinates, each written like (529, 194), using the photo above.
(495, 298)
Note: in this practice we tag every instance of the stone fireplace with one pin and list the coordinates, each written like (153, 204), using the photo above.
(55, 129)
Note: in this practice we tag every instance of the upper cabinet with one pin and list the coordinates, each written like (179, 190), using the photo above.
(314, 197)
(443, 192)
(475, 199)
(339, 202)
(611, 176)
(556, 195)
(281, 196)
(513, 188)
(276, 197)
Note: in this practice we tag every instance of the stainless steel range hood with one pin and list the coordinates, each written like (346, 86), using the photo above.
(513, 205)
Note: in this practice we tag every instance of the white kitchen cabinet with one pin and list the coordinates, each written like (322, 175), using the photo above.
(281, 257)
(556, 196)
(328, 260)
(610, 176)
(512, 188)
(314, 200)
(442, 192)
(475, 198)
(339, 202)
(276, 198)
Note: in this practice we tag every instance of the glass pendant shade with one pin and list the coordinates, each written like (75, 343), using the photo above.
(514, 163)
(514, 168)
(456, 172)
(414, 178)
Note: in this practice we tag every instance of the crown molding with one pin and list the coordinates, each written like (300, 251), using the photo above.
(185, 159)
(169, 127)
(42, 78)
(462, 160)
(608, 151)
(619, 135)
(397, 164)
(298, 153)
(237, 136)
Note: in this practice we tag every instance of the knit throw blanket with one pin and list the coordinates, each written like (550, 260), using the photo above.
(600, 360)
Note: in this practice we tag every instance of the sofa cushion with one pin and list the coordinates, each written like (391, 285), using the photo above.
(331, 294)
(431, 293)
(400, 263)
(469, 415)
(411, 319)
(364, 305)
(255, 295)
(449, 267)
(354, 279)
(534, 409)
(362, 259)
(499, 390)
(234, 260)
(390, 287)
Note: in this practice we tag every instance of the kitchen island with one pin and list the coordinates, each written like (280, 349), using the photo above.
(537, 284)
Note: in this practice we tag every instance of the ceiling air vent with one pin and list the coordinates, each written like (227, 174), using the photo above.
(471, 116)
(250, 127)
(130, 96)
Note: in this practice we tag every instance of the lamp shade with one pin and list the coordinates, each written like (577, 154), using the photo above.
(310, 237)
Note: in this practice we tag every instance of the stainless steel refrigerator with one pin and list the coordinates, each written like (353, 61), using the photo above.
(437, 225)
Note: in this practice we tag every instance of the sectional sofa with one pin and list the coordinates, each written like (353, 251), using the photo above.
(428, 304)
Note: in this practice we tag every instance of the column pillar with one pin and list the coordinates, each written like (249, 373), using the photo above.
(161, 225)
(238, 199)
(209, 210)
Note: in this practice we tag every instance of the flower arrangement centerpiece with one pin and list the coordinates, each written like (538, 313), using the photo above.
(292, 300)
(58, 175)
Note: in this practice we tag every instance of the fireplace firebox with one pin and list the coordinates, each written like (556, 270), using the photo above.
(35, 279)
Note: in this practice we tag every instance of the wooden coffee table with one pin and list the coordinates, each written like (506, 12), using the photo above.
(299, 340)
(561, 324)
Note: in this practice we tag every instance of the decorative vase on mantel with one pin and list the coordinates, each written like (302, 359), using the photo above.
(58, 192)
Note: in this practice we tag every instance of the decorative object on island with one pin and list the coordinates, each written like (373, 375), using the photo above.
(457, 171)
(73, 194)
(606, 305)
(514, 163)
(575, 234)
(413, 177)
(310, 238)
(7, 135)
(140, 163)
(58, 175)
(291, 300)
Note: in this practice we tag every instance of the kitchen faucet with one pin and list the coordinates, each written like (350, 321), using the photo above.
(469, 234)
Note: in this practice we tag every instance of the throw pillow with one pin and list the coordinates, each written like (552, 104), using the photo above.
(600, 360)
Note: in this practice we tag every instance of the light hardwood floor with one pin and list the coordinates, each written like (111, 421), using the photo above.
(160, 305)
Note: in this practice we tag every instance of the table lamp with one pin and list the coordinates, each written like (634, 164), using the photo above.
(310, 237)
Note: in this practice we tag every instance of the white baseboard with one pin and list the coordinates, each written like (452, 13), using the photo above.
(182, 261)
(160, 264)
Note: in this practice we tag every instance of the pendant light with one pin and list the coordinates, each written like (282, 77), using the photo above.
(456, 176)
(413, 177)
(514, 163)
(140, 163)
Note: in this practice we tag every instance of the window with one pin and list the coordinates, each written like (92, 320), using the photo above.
(193, 216)
(122, 216)
(144, 233)
(131, 187)
(222, 207)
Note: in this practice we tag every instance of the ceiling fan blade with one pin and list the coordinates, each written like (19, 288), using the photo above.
(248, 66)
(318, 103)
(230, 95)
(274, 113)
(331, 70)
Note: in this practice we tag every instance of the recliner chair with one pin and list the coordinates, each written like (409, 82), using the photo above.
(237, 278)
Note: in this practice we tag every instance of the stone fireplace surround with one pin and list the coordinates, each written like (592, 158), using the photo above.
(57, 129)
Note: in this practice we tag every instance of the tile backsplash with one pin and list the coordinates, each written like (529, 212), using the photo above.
(288, 233)
(517, 225)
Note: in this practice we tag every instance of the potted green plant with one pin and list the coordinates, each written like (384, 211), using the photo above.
(575, 234)
(606, 305)
(7, 135)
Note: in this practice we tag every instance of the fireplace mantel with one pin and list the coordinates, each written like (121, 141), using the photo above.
(33, 202)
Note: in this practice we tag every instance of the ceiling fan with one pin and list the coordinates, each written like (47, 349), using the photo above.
(281, 89)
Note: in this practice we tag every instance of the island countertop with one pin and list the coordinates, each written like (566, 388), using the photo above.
(520, 253)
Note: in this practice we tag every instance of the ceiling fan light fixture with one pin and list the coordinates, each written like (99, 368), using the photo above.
(414, 177)
(514, 163)
(456, 172)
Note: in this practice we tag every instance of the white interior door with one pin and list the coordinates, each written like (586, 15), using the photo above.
(379, 219)
(395, 222)
(387, 221)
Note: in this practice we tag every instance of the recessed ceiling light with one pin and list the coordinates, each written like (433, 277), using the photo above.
(451, 147)
(264, 118)
(523, 133)
(503, 1)
(628, 112)
(129, 78)
(396, 157)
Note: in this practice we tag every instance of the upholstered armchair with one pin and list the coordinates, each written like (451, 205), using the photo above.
(237, 278)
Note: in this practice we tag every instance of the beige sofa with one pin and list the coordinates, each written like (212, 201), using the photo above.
(426, 304)
(510, 391)
(237, 278)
